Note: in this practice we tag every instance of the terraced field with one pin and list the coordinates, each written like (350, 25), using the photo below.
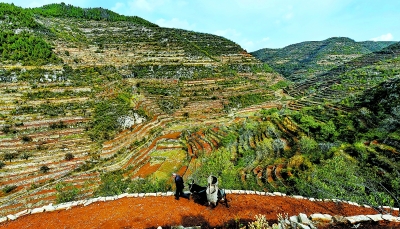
(58, 121)
(108, 102)
(335, 88)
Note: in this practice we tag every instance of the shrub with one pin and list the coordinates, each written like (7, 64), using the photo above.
(9, 188)
(6, 129)
(69, 156)
(58, 125)
(114, 183)
(260, 223)
(9, 156)
(44, 169)
(66, 192)
(2, 164)
(26, 138)
(25, 155)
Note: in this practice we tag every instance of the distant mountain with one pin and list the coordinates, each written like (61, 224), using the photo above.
(306, 59)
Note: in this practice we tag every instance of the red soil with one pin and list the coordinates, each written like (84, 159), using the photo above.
(147, 169)
(151, 212)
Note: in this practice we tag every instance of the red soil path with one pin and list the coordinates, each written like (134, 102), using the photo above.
(151, 212)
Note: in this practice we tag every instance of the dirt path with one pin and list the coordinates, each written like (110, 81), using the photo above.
(151, 212)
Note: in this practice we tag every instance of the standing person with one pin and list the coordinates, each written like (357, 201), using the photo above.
(179, 187)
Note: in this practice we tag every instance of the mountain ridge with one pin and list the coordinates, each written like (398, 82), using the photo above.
(316, 56)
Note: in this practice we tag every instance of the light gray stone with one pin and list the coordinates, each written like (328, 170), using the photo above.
(170, 193)
(277, 193)
(123, 195)
(109, 198)
(73, 203)
(376, 218)
(303, 226)
(37, 210)
(321, 217)
(298, 197)
(88, 202)
(353, 203)
(3, 219)
(357, 219)
(304, 219)
(390, 218)
(11, 217)
(141, 194)
(151, 194)
(294, 219)
(49, 208)
(22, 213)
(62, 206)
(81, 202)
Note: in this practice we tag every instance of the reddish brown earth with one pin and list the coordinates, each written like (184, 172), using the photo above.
(151, 212)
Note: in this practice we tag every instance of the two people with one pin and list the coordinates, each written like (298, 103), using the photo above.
(179, 187)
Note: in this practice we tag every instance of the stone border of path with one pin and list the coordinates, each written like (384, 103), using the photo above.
(302, 220)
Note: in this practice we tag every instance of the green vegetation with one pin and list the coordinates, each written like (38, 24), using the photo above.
(64, 10)
(247, 100)
(114, 183)
(25, 48)
(44, 169)
(307, 59)
(69, 156)
(9, 156)
(9, 188)
(105, 121)
(14, 17)
(66, 192)
(324, 155)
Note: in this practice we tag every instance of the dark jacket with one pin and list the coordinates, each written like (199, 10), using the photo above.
(179, 182)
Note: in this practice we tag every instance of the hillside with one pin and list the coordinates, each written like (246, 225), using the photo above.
(306, 59)
(98, 104)
(108, 93)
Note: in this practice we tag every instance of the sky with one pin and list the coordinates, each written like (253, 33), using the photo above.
(257, 24)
